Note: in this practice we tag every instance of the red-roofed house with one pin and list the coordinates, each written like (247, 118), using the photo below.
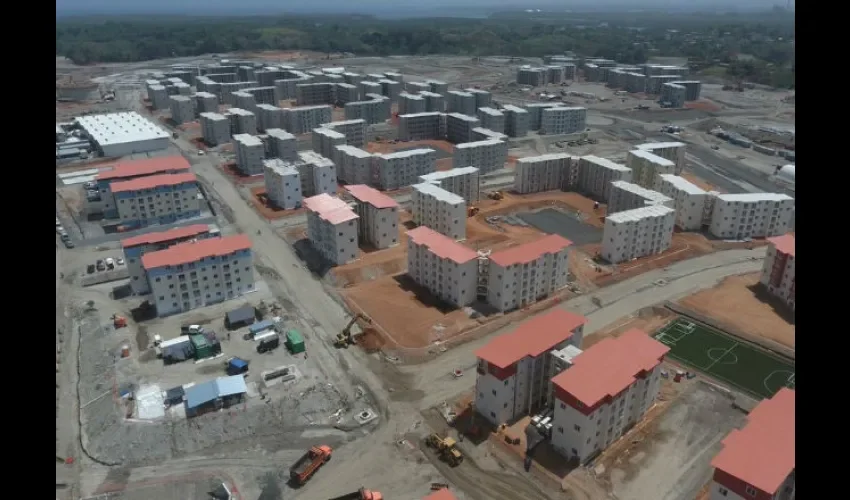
(527, 273)
(448, 269)
(378, 216)
(133, 169)
(515, 369)
(332, 228)
(780, 264)
(607, 390)
(757, 462)
(199, 273)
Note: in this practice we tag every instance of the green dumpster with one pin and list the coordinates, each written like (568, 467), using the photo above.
(295, 342)
(203, 347)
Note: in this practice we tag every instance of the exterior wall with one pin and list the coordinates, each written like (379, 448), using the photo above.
(355, 165)
(309, 94)
(449, 281)
(326, 140)
(182, 109)
(301, 120)
(133, 259)
(378, 226)
(242, 121)
(673, 151)
(439, 210)
(269, 117)
(741, 217)
(282, 144)
(541, 173)
(335, 242)
(625, 196)
(250, 153)
(595, 175)
(463, 182)
(778, 275)
(215, 128)
(403, 168)
(355, 131)
(516, 121)
(563, 120)
(487, 156)
(411, 104)
(460, 102)
(688, 201)
(419, 126)
(160, 205)
(647, 167)
(518, 285)
(637, 233)
(283, 184)
(492, 119)
(459, 127)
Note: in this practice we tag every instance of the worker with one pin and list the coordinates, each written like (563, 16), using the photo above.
(228, 336)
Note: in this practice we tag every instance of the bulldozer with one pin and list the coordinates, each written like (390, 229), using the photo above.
(344, 338)
(472, 211)
(446, 449)
(495, 195)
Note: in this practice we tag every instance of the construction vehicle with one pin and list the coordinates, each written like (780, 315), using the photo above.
(344, 338)
(495, 195)
(472, 211)
(361, 494)
(119, 321)
(303, 469)
(446, 448)
(439, 486)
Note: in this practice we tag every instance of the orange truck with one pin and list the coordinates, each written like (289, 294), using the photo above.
(361, 494)
(302, 470)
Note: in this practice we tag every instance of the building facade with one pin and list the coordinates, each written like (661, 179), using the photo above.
(158, 199)
(332, 228)
(516, 121)
(459, 127)
(182, 109)
(439, 210)
(282, 144)
(492, 119)
(460, 102)
(355, 131)
(486, 156)
(250, 152)
(411, 104)
(564, 120)
(420, 126)
(595, 175)
(326, 140)
(646, 167)
(215, 129)
(527, 273)
(378, 225)
(303, 119)
(637, 233)
(129, 170)
(673, 151)
(463, 182)
(628, 196)
(402, 168)
(689, 201)
(444, 267)
(269, 117)
(535, 174)
(241, 121)
(751, 215)
(354, 166)
(779, 270)
(283, 184)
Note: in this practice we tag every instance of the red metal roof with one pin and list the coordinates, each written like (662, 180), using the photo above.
(152, 181)
(530, 251)
(330, 208)
(193, 251)
(609, 367)
(532, 338)
(148, 166)
(762, 453)
(784, 243)
(443, 494)
(163, 236)
(441, 245)
(372, 196)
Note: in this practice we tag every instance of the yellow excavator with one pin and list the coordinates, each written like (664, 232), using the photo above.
(344, 338)
(446, 448)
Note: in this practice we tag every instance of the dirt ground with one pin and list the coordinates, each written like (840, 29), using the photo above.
(232, 172)
(387, 147)
(703, 105)
(263, 206)
(701, 183)
(739, 304)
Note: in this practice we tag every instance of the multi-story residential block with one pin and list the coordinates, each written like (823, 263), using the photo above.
(751, 215)
(354, 166)
(779, 269)
(287, 87)
(266, 94)
(394, 76)
(375, 109)
(535, 113)
(460, 102)
(487, 156)
(157, 199)
(303, 119)
(250, 152)
(463, 181)
(524, 274)
(390, 89)
(410, 104)
(227, 89)
(433, 102)
(693, 88)
(534, 77)
(609, 388)
(346, 92)
(134, 248)
(199, 273)
(637, 233)
(378, 216)
(244, 100)
(370, 87)
(563, 120)
(438, 87)
(283, 184)
(442, 266)
(441, 210)
(673, 151)
(241, 121)
(514, 368)
(516, 120)
(332, 228)
(310, 94)
(595, 175)
(654, 83)
(129, 170)
(158, 96)
(182, 109)
(282, 144)
(647, 167)
(204, 84)
(554, 74)
(420, 126)
(673, 95)
(325, 140)
(215, 128)
(535, 174)
(689, 201)
(459, 127)
(484, 134)
(759, 461)
(317, 173)
(268, 117)
(628, 196)
(402, 168)
(483, 98)
(352, 78)
(416, 87)
(355, 131)
(635, 83)
(492, 119)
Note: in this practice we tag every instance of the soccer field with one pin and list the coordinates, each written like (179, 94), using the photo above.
(719, 356)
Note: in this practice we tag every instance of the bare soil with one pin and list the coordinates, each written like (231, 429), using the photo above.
(265, 208)
(384, 147)
(232, 172)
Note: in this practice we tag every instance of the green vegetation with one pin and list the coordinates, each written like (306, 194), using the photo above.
(758, 49)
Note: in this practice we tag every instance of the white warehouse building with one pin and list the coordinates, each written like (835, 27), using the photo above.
(283, 184)
(751, 215)
(487, 155)
(646, 167)
(628, 196)
(123, 134)
(446, 268)
(439, 209)
(689, 201)
(463, 182)
(378, 216)
(637, 233)
(332, 228)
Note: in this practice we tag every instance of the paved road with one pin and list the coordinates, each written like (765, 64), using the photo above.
(730, 175)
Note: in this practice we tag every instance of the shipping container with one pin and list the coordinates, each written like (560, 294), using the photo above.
(295, 342)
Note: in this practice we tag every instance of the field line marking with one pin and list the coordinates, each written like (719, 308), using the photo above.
(734, 345)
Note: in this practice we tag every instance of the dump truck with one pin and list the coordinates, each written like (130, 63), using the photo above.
(361, 494)
(446, 449)
(302, 470)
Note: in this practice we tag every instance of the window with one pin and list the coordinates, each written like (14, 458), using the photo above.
(577, 428)
(723, 491)
(751, 491)
(506, 383)
(561, 430)
(563, 406)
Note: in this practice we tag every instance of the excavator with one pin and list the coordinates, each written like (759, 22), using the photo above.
(344, 338)
(446, 449)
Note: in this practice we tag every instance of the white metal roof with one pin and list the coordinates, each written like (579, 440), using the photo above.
(546, 157)
(281, 167)
(213, 116)
(754, 197)
(414, 97)
(476, 144)
(248, 140)
(353, 151)
(344, 123)
(314, 158)
(269, 107)
(639, 214)
(647, 194)
(309, 108)
(407, 153)
(460, 93)
(438, 193)
(660, 145)
(421, 115)
(514, 109)
(682, 184)
(606, 163)
(490, 111)
(436, 176)
(329, 132)
(205, 95)
(120, 128)
(279, 133)
(183, 98)
(461, 116)
(428, 93)
(239, 111)
(646, 154)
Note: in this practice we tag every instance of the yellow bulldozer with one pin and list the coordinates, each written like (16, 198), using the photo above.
(344, 338)
(446, 449)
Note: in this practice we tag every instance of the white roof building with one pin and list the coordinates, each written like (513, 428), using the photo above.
(122, 134)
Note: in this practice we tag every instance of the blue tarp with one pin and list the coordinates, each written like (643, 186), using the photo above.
(262, 325)
(238, 364)
(228, 386)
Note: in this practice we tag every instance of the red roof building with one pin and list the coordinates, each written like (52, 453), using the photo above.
(446, 268)
(149, 166)
(378, 226)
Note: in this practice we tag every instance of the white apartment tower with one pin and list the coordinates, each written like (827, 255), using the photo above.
(318, 174)
(548, 172)
(420, 126)
(378, 216)
(487, 156)
(627, 196)
(595, 175)
(241, 121)
(410, 104)
(463, 182)
(673, 151)
(751, 215)
(355, 131)
(326, 140)
(560, 120)
(439, 209)
(646, 167)
(283, 184)
(215, 128)
(779, 269)
(303, 119)
(402, 168)
(354, 166)
(250, 153)
(688, 201)
(516, 121)
(269, 117)
(637, 233)
(492, 119)
(443, 266)
(282, 144)
(182, 109)
(332, 228)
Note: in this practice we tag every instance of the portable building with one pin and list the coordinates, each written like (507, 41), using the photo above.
(240, 317)
(256, 328)
(177, 350)
(295, 342)
(267, 341)
(203, 347)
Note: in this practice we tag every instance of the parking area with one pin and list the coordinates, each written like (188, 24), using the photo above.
(570, 225)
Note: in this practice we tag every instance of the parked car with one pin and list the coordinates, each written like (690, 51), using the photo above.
(58, 223)
(60, 230)
(119, 261)
(110, 263)
(90, 269)
(100, 266)
(69, 244)
(65, 237)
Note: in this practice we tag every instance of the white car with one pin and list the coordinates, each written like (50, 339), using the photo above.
(200, 152)
(119, 261)
(58, 224)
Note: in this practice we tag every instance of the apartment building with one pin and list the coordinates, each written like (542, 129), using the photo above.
(157, 199)
(606, 391)
(780, 265)
(375, 108)
(484, 134)
(516, 121)
(370, 87)
(647, 167)
(346, 92)
(332, 228)
(438, 87)
(547, 172)
(534, 77)
(158, 96)
(487, 155)
(282, 144)
(524, 274)
(563, 120)
(241, 121)
(693, 88)
(751, 215)
(317, 173)
(439, 209)
(269, 117)
(460, 102)
(637, 233)
(514, 368)
(199, 273)
(689, 201)
(492, 119)
(326, 140)
(459, 127)
(654, 82)
(416, 87)
(286, 87)
(628, 196)
(244, 100)
(303, 119)
(134, 248)
(483, 98)
(390, 89)
(463, 181)
(355, 131)
(444, 267)
(759, 461)
(250, 152)
(283, 184)
(354, 166)
(673, 151)
(182, 109)
(410, 104)
(402, 168)
(595, 175)
(215, 128)
(433, 102)
(673, 95)
(228, 89)
(310, 94)
(535, 113)
(129, 170)
(420, 126)
(378, 226)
